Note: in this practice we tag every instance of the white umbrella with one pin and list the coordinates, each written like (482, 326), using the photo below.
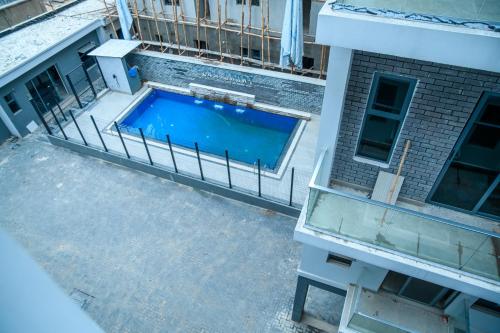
(292, 35)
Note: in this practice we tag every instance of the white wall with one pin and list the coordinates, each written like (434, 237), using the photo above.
(315, 266)
(115, 67)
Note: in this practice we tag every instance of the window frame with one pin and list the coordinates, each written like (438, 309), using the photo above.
(474, 117)
(370, 111)
(244, 2)
(12, 100)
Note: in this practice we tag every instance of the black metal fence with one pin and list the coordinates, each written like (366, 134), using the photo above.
(92, 135)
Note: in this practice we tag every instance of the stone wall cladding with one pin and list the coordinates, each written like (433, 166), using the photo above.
(285, 93)
(444, 99)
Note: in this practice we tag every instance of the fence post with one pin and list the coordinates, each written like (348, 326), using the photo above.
(44, 123)
(58, 124)
(258, 169)
(172, 153)
(74, 91)
(228, 170)
(78, 127)
(199, 160)
(90, 81)
(146, 146)
(291, 186)
(99, 133)
(121, 139)
(60, 110)
(100, 71)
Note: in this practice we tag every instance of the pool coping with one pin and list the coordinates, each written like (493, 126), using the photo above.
(282, 161)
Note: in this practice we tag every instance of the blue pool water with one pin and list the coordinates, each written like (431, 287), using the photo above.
(246, 133)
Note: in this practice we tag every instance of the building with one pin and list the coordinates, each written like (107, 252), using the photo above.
(229, 30)
(14, 12)
(402, 215)
(43, 54)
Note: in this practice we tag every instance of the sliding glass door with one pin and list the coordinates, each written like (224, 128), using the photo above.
(47, 89)
(471, 177)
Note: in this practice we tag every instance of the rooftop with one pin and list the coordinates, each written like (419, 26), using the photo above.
(487, 11)
(22, 45)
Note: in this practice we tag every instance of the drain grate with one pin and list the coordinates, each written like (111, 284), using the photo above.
(82, 298)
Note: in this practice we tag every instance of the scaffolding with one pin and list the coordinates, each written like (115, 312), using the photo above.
(215, 48)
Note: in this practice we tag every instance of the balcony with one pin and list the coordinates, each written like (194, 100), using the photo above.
(454, 246)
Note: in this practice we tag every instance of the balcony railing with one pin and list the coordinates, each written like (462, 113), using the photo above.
(395, 229)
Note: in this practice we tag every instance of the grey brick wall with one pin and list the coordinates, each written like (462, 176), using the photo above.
(303, 96)
(444, 99)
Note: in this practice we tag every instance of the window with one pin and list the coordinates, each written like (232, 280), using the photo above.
(307, 62)
(159, 38)
(87, 61)
(338, 260)
(470, 179)
(200, 44)
(168, 2)
(255, 54)
(418, 290)
(244, 51)
(254, 2)
(388, 102)
(11, 102)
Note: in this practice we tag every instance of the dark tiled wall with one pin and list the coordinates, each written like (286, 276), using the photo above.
(275, 91)
(444, 99)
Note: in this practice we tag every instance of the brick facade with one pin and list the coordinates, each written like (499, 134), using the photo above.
(444, 99)
(303, 96)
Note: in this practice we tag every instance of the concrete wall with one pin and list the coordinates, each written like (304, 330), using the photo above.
(314, 265)
(445, 97)
(64, 61)
(273, 88)
(19, 11)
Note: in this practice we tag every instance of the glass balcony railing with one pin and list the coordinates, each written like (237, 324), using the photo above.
(444, 242)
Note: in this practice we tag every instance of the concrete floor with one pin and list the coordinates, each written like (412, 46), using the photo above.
(142, 254)
(109, 106)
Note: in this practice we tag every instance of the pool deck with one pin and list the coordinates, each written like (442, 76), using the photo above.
(109, 106)
(142, 254)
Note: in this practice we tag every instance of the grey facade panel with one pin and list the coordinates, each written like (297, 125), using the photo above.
(444, 99)
(293, 94)
(65, 61)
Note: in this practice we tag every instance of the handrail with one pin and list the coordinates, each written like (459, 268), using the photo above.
(312, 184)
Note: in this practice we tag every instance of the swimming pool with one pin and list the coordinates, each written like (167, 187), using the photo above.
(248, 134)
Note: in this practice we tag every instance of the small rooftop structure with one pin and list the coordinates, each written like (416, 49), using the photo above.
(115, 48)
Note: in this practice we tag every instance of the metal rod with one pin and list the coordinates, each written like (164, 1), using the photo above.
(58, 124)
(291, 187)
(199, 160)
(78, 127)
(90, 82)
(121, 139)
(228, 170)
(99, 133)
(146, 146)
(74, 91)
(61, 110)
(172, 153)
(102, 75)
(258, 170)
(40, 115)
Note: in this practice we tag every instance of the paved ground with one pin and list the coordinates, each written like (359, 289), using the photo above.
(142, 254)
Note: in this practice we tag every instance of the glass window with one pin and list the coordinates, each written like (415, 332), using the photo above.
(12, 103)
(387, 106)
(470, 179)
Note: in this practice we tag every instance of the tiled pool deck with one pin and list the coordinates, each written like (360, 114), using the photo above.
(108, 107)
(155, 256)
